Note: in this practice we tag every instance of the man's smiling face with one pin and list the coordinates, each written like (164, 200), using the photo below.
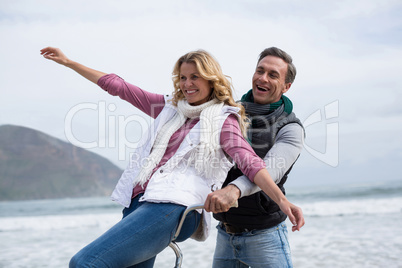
(269, 80)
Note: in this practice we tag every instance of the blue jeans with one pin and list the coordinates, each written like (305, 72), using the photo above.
(257, 248)
(145, 230)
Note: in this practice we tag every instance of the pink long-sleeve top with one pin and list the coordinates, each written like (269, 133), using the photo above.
(231, 139)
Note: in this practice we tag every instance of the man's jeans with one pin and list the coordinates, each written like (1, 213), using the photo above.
(145, 230)
(257, 248)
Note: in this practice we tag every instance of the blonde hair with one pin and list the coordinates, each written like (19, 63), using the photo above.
(210, 70)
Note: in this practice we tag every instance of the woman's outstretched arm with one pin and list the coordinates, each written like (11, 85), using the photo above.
(150, 103)
(56, 55)
(253, 167)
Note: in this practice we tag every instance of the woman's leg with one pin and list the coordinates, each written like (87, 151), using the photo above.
(127, 211)
(145, 264)
(137, 238)
(190, 225)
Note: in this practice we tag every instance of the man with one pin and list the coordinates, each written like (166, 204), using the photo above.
(254, 234)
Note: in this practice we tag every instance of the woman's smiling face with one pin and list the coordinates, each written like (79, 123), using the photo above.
(196, 89)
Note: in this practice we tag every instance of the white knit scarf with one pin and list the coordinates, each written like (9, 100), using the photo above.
(203, 154)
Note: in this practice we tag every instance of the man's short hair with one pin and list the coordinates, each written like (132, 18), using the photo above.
(276, 52)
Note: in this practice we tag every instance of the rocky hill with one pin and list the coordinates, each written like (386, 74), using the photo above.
(34, 165)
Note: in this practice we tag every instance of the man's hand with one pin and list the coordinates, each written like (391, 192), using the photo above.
(222, 200)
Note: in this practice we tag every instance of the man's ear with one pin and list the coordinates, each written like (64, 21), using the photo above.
(286, 88)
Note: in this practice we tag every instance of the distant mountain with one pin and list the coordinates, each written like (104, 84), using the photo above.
(34, 165)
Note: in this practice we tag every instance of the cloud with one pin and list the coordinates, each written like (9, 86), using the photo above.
(347, 51)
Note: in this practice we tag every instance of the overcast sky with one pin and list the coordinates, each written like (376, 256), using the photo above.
(347, 53)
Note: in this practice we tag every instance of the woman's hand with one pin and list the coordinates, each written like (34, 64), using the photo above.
(54, 54)
(294, 213)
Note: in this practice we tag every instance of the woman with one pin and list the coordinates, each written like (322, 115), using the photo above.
(187, 153)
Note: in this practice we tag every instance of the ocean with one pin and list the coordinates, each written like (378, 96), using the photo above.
(357, 225)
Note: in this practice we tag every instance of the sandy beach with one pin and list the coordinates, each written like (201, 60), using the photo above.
(359, 228)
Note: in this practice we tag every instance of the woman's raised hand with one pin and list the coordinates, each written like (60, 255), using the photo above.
(54, 54)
